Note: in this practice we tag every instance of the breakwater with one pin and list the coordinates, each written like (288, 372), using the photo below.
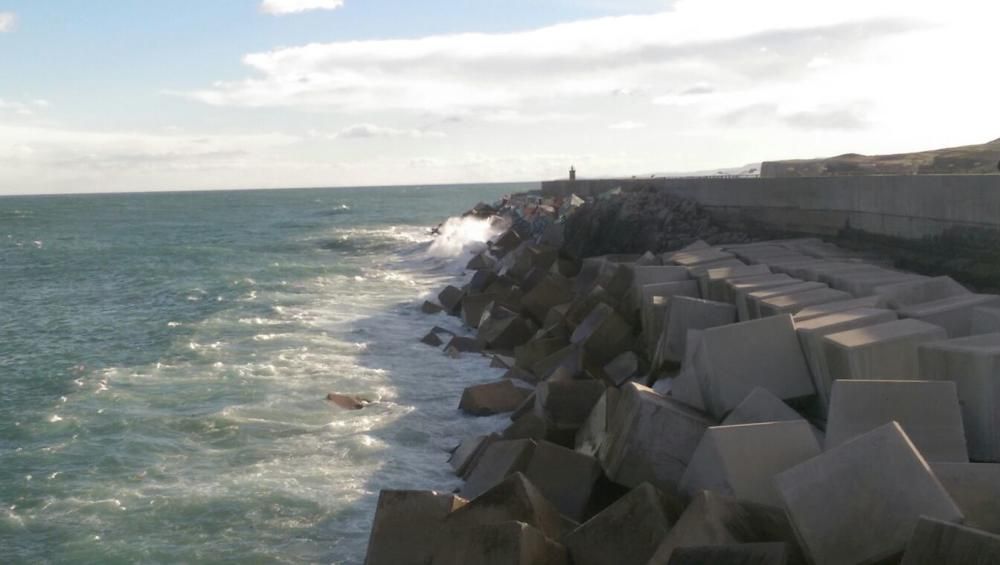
(767, 401)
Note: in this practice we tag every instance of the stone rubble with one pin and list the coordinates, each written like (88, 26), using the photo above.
(708, 399)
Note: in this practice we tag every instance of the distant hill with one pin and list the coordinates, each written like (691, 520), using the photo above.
(969, 159)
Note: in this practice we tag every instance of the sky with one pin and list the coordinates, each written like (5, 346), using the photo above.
(132, 95)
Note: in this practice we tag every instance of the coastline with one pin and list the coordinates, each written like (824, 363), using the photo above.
(601, 354)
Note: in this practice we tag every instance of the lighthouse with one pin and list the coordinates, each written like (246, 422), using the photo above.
(572, 173)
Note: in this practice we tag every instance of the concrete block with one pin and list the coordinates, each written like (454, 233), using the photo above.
(733, 360)
(839, 306)
(530, 354)
(493, 398)
(408, 525)
(742, 460)
(713, 519)
(460, 344)
(468, 452)
(526, 426)
(859, 502)
(694, 258)
(650, 438)
(481, 281)
(507, 543)
(565, 477)
(812, 331)
(505, 334)
(500, 460)
(752, 299)
(793, 303)
(591, 435)
(700, 269)
(565, 405)
(473, 306)
(603, 334)
(685, 387)
(654, 305)
(551, 291)
(865, 283)
(736, 554)
(935, 542)
(622, 368)
(625, 533)
(973, 364)
(985, 320)
(975, 487)
(728, 285)
(885, 351)
(713, 281)
(920, 291)
(567, 361)
(738, 290)
(451, 299)
(513, 499)
(761, 406)
(685, 314)
(429, 307)
(927, 411)
(954, 314)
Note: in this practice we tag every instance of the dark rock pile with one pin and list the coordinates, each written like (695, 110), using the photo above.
(639, 220)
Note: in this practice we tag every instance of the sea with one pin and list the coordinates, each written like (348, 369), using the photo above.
(165, 358)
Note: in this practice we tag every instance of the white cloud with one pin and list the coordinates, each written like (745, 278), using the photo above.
(368, 131)
(660, 52)
(7, 21)
(627, 125)
(283, 7)
(22, 108)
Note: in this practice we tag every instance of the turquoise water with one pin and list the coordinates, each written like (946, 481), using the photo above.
(164, 359)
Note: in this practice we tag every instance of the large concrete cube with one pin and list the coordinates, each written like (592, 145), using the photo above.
(493, 398)
(985, 320)
(885, 351)
(625, 533)
(698, 257)
(408, 526)
(733, 360)
(927, 411)
(655, 304)
(737, 291)
(920, 291)
(975, 487)
(650, 438)
(761, 406)
(793, 303)
(590, 437)
(811, 333)
(713, 281)
(565, 477)
(686, 386)
(551, 291)
(565, 405)
(514, 499)
(860, 502)
(604, 334)
(500, 460)
(507, 543)
(751, 300)
(936, 542)
(821, 310)
(742, 460)
(713, 519)
(973, 364)
(685, 314)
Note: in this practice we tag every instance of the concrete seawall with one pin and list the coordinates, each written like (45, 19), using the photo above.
(906, 207)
